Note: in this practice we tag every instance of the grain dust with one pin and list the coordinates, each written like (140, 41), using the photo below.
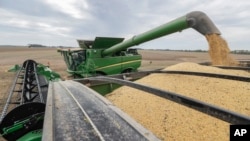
(219, 51)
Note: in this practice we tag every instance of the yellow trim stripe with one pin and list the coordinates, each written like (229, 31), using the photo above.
(118, 64)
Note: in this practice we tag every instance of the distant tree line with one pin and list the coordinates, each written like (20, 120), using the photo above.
(240, 51)
(39, 45)
(35, 45)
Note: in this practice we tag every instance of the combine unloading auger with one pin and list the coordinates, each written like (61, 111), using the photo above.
(42, 107)
(196, 20)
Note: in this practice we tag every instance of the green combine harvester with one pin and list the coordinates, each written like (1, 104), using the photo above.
(107, 56)
(89, 61)
(40, 106)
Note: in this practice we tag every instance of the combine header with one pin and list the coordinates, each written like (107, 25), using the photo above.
(42, 107)
(25, 105)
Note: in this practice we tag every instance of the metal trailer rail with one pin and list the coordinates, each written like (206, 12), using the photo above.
(214, 111)
(235, 68)
(214, 75)
(76, 112)
(137, 75)
(243, 65)
(140, 74)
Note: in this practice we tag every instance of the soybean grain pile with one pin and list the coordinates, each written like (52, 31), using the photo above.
(171, 121)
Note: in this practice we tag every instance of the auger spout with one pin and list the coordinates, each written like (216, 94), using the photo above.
(201, 23)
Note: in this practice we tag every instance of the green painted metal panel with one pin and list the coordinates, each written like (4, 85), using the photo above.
(15, 68)
(32, 136)
(47, 72)
(105, 42)
(115, 65)
(85, 44)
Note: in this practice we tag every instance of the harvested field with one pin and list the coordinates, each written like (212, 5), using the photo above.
(171, 121)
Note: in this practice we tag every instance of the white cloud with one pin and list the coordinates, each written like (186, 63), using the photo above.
(74, 8)
(44, 27)
(61, 20)
(11, 19)
(26, 22)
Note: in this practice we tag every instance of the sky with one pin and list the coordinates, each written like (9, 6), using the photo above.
(61, 22)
